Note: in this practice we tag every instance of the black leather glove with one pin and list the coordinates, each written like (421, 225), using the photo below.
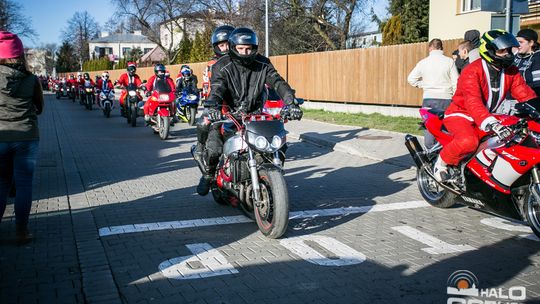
(502, 132)
(214, 114)
(295, 113)
(148, 94)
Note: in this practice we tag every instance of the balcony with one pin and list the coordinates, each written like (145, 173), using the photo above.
(532, 19)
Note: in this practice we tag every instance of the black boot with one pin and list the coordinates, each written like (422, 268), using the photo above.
(204, 185)
(23, 235)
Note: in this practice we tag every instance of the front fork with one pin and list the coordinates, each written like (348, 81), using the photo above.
(535, 183)
(254, 178)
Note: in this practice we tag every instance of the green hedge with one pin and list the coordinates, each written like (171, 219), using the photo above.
(98, 64)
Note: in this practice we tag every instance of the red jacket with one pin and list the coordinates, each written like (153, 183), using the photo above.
(472, 99)
(83, 81)
(125, 80)
(150, 83)
(99, 84)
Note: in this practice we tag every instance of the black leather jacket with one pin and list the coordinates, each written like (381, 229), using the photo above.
(246, 84)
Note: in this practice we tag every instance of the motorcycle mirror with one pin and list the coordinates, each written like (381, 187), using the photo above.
(299, 101)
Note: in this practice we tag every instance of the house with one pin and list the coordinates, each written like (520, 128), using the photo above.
(450, 19)
(364, 40)
(116, 46)
(172, 31)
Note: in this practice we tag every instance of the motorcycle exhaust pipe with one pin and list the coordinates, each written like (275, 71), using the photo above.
(416, 150)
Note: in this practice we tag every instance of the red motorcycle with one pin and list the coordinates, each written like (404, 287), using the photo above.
(502, 177)
(161, 108)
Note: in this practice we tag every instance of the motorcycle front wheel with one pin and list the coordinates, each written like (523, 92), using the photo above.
(192, 113)
(164, 126)
(107, 110)
(532, 213)
(133, 114)
(272, 214)
(432, 192)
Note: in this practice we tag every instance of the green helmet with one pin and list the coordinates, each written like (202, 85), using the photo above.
(495, 40)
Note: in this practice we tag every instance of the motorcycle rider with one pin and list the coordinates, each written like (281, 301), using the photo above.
(185, 79)
(241, 80)
(86, 78)
(159, 74)
(481, 88)
(125, 79)
(104, 83)
(220, 45)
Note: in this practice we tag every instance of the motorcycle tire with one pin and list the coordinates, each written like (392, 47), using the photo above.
(108, 110)
(164, 127)
(192, 115)
(133, 114)
(432, 193)
(532, 213)
(272, 214)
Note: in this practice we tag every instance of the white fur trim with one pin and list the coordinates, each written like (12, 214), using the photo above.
(467, 117)
(487, 122)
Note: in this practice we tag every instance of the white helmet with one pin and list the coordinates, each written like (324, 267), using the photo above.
(105, 75)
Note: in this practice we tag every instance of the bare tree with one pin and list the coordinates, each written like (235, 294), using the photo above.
(50, 61)
(81, 28)
(13, 21)
(157, 20)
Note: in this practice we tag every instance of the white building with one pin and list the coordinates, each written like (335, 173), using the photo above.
(116, 46)
(364, 40)
(172, 31)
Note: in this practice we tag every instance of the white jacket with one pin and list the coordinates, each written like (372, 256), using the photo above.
(436, 75)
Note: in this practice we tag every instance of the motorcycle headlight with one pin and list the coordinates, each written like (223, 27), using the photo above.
(276, 142)
(272, 111)
(132, 93)
(163, 97)
(102, 96)
(261, 143)
(192, 97)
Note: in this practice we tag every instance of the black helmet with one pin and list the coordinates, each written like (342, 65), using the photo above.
(86, 76)
(159, 70)
(243, 36)
(219, 35)
(495, 40)
(131, 68)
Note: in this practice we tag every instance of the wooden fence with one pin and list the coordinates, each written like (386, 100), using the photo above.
(368, 76)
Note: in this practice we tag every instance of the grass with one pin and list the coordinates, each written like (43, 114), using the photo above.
(374, 121)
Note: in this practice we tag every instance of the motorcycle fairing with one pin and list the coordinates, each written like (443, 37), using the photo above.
(266, 128)
(163, 112)
(233, 144)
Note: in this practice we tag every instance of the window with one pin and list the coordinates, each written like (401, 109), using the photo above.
(125, 50)
(470, 5)
(146, 50)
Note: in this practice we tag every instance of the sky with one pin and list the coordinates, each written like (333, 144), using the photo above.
(49, 18)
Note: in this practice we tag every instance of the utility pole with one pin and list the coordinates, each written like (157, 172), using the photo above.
(508, 23)
(266, 32)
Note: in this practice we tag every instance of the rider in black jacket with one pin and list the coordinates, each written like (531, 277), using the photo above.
(240, 81)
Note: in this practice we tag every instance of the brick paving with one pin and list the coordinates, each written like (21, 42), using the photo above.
(95, 172)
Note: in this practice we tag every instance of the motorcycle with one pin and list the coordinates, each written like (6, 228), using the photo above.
(186, 105)
(61, 90)
(106, 98)
(249, 174)
(502, 177)
(87, 96)
(161, 111)
(72, 92)
(133, 104)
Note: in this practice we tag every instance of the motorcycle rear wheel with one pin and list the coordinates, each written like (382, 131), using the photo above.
(434, 194)
(532, 213)
(272, 214)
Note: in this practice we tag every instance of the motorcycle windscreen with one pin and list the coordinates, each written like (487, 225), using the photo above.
(131, 87)
(162, 86)
(266, 128)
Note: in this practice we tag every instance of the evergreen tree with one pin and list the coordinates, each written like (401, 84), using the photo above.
(201, 50)
(66, 61)
(409, 22)
(184, 50)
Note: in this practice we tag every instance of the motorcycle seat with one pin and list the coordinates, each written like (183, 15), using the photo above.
(438, 112)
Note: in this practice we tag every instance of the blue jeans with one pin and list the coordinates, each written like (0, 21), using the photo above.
(17, 163)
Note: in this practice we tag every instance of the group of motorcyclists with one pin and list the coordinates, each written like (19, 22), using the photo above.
(237, 78)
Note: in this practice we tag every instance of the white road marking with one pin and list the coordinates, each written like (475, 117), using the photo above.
(237, 219)
(504, 224)
(205, 262)
(345, 255)
(436, 246)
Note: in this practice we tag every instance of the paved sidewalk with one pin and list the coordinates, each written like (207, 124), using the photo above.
(369, 143)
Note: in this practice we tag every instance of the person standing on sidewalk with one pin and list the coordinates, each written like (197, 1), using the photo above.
(437, 76)
(21, 100)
